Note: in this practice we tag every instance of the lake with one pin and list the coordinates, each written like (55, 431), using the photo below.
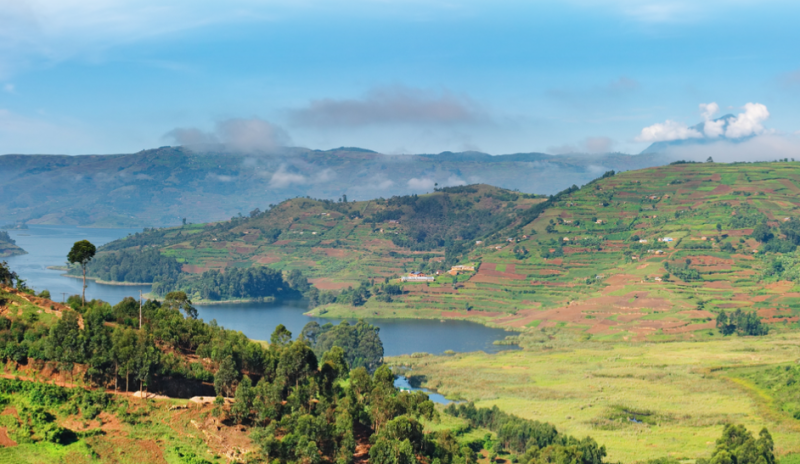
(49, 245)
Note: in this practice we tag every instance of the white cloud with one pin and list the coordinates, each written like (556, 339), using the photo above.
(711, 128)
(283, 178)
(708, 110)
(667, 131)
(427, 183)
(421, 184)
(251, 135)
(745, 124)
(242, 135)
(749, 122)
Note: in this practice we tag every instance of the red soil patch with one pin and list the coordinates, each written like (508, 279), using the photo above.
(782, 286)
(267, 259)
(557, 261)
(324, 283)
(724, 285)
(487, 272)
(622, 279)
(243, 250)
(549, 272)
(426, 289)
(193, 269)
(790, 185)
(282, 242)
(456, 314)
(698, 314)
(332, 252)
(704, 260)
(772, 312)
(721, 189)
(5, 441)
(716, 177)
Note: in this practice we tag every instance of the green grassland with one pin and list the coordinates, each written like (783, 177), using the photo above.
(682, 393)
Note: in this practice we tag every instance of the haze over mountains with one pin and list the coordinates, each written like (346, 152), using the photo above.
(162, 186)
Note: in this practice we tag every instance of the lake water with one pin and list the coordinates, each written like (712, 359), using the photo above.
(49, 245)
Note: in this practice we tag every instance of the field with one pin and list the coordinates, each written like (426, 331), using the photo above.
(682, 393)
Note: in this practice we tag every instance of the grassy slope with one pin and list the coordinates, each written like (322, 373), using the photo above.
(689, 389)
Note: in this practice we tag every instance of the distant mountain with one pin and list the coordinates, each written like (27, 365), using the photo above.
(162, 186)
(664, 147)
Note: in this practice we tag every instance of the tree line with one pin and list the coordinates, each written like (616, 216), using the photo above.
(536, 442)
(131, 265)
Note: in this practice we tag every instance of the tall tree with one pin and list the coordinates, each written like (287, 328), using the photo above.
(81, 253)
(179, 301)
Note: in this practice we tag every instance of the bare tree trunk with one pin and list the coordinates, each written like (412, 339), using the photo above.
(127, 377)
(116, 375)
(83, 292)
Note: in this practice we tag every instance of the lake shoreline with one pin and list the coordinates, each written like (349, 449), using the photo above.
(99, 281)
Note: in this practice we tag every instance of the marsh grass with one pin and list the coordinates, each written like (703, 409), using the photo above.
(686, 390)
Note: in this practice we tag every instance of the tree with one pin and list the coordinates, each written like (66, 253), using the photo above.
(81, 253)
(738, 445)
(7, 276)
(280, 337)
(762, 232)
(225, 377)
(179, 301)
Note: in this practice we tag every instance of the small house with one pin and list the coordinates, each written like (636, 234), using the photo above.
(478, 242)
(642, 240)
(566, 239)
(667, 239)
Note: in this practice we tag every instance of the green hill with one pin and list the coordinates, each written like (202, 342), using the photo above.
(591, 259)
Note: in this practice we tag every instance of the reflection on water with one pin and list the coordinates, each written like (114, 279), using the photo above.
(402, 383)
(49, 245)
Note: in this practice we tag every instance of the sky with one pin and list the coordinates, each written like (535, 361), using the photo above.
(399, 76)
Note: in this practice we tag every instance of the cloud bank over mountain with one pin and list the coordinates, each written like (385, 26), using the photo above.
(249, 136)
(746, 124)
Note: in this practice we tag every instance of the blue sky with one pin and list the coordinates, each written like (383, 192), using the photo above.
(397, 76)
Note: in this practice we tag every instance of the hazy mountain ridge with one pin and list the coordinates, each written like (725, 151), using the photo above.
(161, 186)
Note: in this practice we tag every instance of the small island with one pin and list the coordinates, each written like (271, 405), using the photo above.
(8, 247)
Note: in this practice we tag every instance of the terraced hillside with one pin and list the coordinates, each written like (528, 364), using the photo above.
(589, 259)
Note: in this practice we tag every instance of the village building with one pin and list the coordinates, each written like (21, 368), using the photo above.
(455, 270)
(417, 277)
